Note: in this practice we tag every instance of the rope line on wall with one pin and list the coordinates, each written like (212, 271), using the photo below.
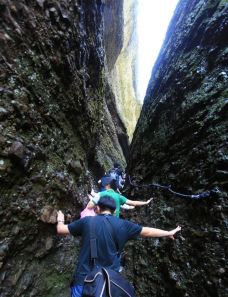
(205, 194)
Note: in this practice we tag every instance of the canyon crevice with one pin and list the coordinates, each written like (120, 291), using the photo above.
(67, 112)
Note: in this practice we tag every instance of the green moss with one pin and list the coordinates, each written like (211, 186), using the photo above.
(56, 282)
(223, 3)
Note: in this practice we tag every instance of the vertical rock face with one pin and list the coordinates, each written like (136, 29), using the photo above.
(113, 43)
(181, 140)
(57, 132)
(121, 61)
(113, 34)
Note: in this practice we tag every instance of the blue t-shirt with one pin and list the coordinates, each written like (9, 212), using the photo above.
(108, 251)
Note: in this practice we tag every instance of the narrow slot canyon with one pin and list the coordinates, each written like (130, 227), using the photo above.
(69, 110)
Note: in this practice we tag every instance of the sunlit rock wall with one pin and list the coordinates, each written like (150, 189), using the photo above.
(121, 71)
(181, 140)
(58, 134)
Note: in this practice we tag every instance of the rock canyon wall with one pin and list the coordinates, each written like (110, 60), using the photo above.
(64, 118)
(181, 140)
(59, 131)
(122, 74)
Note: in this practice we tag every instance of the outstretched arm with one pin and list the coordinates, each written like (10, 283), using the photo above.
(126, 206)
(153, 232)
(138, 203)
(62, 229)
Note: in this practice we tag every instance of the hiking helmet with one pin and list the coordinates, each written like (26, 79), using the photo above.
(107, 201)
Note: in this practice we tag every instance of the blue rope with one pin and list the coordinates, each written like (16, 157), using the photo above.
(205, 194)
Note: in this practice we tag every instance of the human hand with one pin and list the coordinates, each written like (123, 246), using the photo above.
(148, 201)
(60, 216)
(173, 232)
(93, 193)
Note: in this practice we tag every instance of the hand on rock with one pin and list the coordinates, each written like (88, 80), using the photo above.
(60, 216)
(173, 232)
(148, 201)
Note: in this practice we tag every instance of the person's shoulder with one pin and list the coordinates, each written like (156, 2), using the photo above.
(129, 223)
(123, 225)
(121, 196)
(87, 219)
(116, 218)
(109, 192)
(117, 221)
(102, 193)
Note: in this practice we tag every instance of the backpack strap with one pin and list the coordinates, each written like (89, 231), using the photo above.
(93, 241)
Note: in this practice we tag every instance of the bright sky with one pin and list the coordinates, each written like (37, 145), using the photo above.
(153, 20)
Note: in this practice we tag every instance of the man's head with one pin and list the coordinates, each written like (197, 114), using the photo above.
(107, 203)
(109, 183)
(106, 180)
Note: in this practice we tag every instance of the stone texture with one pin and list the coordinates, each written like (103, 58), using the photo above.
(114, 31)
(57, 135)
(121, 70)
(181, 140)
(61, 128)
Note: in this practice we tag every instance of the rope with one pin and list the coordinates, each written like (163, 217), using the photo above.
(205, 194)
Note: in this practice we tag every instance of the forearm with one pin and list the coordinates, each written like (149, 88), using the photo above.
(136, 202)
(154, 232)
(126, 206)
(62, 229)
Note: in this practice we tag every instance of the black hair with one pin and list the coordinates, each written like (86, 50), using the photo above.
(107, 203)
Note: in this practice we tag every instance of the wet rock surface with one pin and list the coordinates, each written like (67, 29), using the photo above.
(60, 129)
(181, 140)
(57, 136)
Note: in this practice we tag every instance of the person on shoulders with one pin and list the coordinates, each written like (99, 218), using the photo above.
(110, 244)
(110, 190)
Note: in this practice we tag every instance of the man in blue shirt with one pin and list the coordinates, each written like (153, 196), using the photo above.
(108, 248)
